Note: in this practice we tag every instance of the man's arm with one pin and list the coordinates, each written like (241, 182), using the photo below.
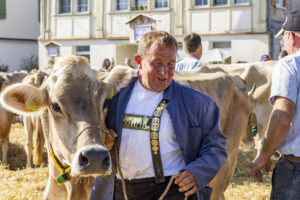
(212, 153)
(281, 117)
(205, 137)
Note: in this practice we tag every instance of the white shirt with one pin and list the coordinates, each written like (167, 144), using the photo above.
(286, 83)
(135, 151)
(187, 64)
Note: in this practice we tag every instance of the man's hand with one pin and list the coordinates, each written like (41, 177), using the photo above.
(187, 183)
(109, 139)
(258, 164)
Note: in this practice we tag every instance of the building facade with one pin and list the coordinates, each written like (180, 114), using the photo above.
(19, 31)
(99, 29)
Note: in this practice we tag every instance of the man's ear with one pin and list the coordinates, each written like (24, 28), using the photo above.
(200, 51)
(138, 61)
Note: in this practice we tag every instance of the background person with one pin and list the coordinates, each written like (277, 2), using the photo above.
(127, 62)
(105, 64)
(190, 139)
(193, 49)
(283, 131)
(265, 58)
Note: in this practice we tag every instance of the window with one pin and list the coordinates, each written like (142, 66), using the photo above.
(140, 5)
(64, 6)
(220, 2)
(280, 3)
(161, 3)
(241, 1)
(2, 9)
(122, 5)
(221, 45)
(82, 5)
(200, 2)
(83, 51)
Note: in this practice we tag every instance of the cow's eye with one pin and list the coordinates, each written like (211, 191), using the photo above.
(56, 107)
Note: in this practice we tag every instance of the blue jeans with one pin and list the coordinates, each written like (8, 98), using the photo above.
(286, 180)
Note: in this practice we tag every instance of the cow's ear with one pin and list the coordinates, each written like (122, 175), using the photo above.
(24, 99)
(119, 77)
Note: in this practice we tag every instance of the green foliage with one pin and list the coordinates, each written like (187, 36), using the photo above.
(30, 63)
(3, 68)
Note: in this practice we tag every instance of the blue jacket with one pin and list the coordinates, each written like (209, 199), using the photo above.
(195, 117)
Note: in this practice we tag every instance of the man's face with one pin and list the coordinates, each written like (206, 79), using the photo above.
(157, 67)
(288, 41)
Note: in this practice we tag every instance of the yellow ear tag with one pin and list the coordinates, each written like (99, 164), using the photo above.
(111, 94)
(31, 106)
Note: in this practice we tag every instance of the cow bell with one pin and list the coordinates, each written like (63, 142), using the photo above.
(63, 177)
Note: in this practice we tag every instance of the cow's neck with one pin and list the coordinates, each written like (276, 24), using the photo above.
(76, 188)
(79, 188)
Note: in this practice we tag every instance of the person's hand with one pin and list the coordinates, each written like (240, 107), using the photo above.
(109, 139)
(258, 164)
(187, 183)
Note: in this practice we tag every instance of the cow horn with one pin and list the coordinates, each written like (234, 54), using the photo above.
(251, 92)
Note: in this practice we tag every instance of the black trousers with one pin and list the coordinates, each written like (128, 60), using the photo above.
(148, 189)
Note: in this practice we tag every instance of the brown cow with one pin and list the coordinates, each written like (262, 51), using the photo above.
(6, 116)
(71, 102)
(33, 124)
(230, 94)
(259, 73)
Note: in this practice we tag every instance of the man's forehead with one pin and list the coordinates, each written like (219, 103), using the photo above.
(158, 48)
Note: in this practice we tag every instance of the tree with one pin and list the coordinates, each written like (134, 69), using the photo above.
(30, 63)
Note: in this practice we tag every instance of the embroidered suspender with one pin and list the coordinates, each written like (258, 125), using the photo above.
(154, 141)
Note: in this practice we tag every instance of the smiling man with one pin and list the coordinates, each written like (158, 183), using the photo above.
(163, 128)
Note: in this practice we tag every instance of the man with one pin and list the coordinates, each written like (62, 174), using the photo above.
(186, 140)
(283, 131)
(127, 62)
(193, 49)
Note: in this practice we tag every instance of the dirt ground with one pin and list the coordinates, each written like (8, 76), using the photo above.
(19, 183)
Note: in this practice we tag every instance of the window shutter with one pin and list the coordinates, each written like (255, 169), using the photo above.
(2, 9)
(287, 3)
(273, 3)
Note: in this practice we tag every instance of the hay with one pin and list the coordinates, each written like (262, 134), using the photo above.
(16, 182)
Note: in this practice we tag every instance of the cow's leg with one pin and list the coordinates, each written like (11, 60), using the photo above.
(28, 145)
(4, 150)
(223, 177)
(248, 139)
(38, 143)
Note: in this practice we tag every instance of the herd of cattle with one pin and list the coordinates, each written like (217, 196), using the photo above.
(66, 109)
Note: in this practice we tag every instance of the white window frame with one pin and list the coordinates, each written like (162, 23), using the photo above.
(241, 3)
(123, 1)
(59, 8)
(77, 6)
(133, 5)
(163, 3)
(280, 4)
(215, 4)
(203, 5)
(83, 53)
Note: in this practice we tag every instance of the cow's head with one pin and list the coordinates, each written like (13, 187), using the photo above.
(7, 79)
(74, 96)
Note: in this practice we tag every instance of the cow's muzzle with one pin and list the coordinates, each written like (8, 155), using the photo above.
(91, 161)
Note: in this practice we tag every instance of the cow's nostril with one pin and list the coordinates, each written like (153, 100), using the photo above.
(83, 160)
(106, 163)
